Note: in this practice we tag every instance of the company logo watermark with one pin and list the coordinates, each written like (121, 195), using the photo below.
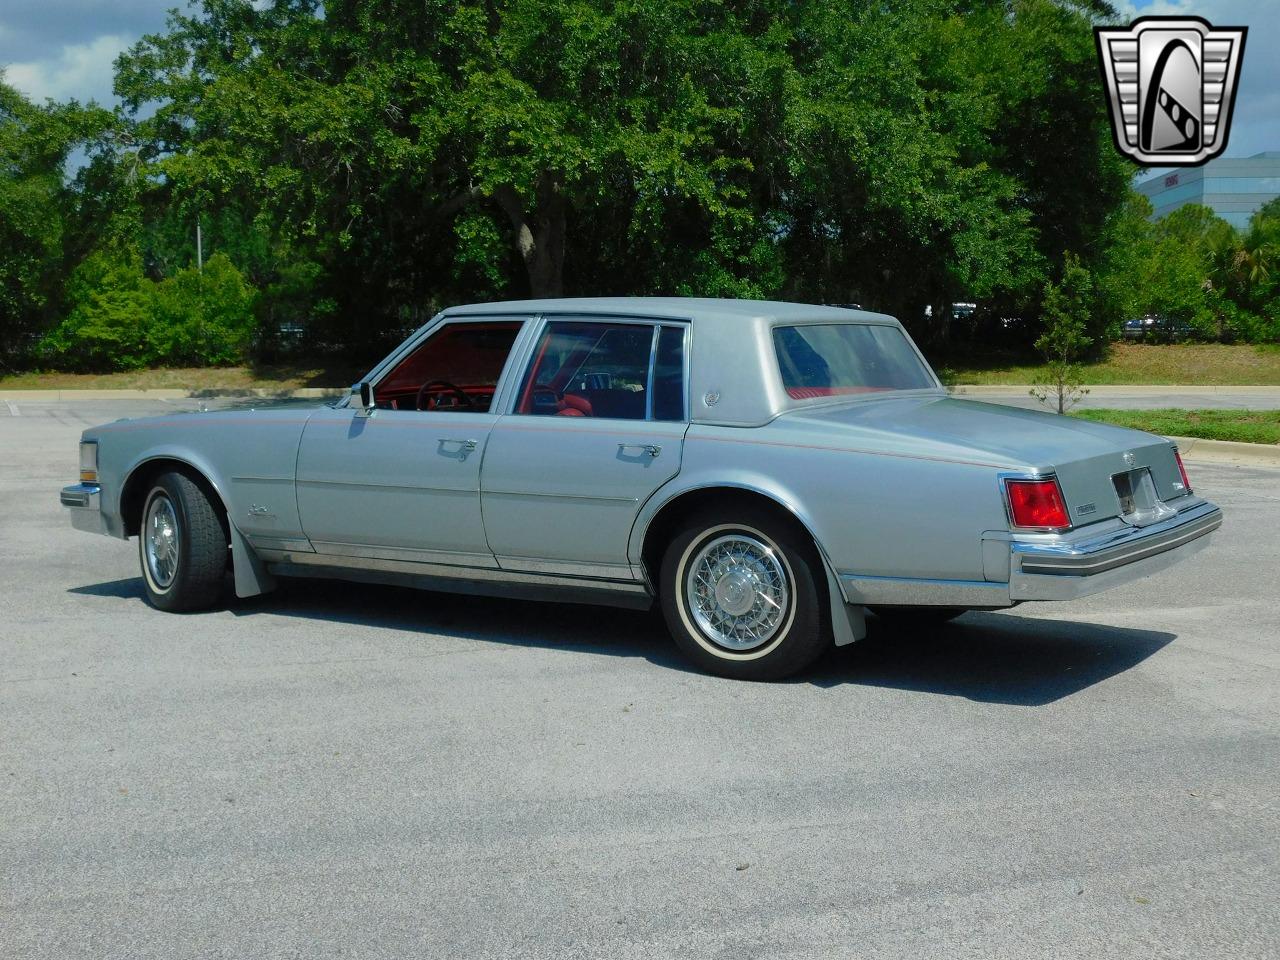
(1171, 85)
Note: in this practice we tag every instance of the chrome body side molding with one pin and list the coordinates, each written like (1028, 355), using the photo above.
(455, 578)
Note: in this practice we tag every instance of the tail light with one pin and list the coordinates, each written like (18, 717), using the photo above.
(1186, 484)
(1037, 505)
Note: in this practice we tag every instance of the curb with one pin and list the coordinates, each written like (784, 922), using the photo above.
(170, 394)
(1228, 451)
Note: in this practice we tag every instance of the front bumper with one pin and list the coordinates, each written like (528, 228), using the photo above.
(1069, 568)
(85, 503)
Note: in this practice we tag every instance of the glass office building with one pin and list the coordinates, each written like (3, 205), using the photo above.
(1233, 187)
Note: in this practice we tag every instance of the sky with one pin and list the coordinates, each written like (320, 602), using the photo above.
(65, 48)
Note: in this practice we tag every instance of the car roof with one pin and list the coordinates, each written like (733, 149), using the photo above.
(676, 308)
(733, 372)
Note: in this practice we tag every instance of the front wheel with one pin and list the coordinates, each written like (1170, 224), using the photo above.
(743, 597)
(182, 546)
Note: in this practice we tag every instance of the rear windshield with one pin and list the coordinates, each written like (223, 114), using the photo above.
(827, 360)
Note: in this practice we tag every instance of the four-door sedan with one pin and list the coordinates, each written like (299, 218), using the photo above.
(764, 471)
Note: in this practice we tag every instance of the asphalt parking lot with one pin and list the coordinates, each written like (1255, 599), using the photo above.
(372, 772)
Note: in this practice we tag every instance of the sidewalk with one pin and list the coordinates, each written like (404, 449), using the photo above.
(1228, 451)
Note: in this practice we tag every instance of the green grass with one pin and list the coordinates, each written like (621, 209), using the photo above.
(1246, 426)
(265, 377)
(1129, 363)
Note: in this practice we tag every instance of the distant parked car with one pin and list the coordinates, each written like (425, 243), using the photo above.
(1136, 328)
(1157, 328)
(763, 471)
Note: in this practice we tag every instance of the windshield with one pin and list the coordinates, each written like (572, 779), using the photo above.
(826, 360)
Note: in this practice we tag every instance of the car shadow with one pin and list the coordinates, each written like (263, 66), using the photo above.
(526, 623)
(999, 658)
(990, 657)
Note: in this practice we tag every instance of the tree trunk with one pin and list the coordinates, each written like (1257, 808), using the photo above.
(539, 234)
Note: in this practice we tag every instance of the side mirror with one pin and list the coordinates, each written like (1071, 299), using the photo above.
(362, 393)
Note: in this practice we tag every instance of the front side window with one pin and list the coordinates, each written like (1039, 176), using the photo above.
(826, 360)
(589, 369)
(456, 369)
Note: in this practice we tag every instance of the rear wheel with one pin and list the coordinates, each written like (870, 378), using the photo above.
(741, 595)
(182, 546)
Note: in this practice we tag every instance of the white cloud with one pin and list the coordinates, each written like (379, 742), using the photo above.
(83, 71)
(1256, 124)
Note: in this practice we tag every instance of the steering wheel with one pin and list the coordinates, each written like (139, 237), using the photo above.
(425, 390)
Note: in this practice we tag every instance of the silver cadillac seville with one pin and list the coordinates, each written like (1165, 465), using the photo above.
(766, 472)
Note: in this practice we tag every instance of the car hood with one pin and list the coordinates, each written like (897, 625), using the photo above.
(266, 412)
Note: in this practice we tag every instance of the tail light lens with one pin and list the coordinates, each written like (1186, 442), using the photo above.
(1186, 484)
(1037, 505)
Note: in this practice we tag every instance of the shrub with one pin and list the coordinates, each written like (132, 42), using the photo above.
(202, 318)
(120, 320)
(108, 318)
(1064, 341)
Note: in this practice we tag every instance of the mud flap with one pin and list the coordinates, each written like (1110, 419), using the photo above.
(848, 620)
(250, 572)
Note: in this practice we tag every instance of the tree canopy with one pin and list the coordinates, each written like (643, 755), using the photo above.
(361, 163)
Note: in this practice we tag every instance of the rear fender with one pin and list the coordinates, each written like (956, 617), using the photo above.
(848, 621)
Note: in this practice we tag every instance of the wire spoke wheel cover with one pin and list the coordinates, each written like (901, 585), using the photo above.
(737, 589)
(161, 542)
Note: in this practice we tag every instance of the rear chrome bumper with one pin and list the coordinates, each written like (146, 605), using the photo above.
(1051, 566)
(1075, 567)
(85, 502)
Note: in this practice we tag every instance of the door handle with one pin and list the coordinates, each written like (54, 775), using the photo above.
(652, 449)
(465, 444)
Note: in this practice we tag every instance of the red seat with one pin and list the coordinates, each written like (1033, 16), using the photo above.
(572, 405)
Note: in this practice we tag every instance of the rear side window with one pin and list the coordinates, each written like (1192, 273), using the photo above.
(615, 371)
(825, 360)
(668, 375)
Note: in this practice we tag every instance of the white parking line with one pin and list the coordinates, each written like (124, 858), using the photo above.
(13, 408)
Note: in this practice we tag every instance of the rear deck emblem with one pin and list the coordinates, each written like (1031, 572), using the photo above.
(1171, 86)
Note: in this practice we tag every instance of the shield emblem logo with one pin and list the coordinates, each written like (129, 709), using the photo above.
(1171, 87)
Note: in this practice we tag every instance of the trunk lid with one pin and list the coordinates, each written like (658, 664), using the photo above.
(1086, 456)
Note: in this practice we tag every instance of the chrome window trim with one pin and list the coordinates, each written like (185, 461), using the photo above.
(653, 369)
(688, 373)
